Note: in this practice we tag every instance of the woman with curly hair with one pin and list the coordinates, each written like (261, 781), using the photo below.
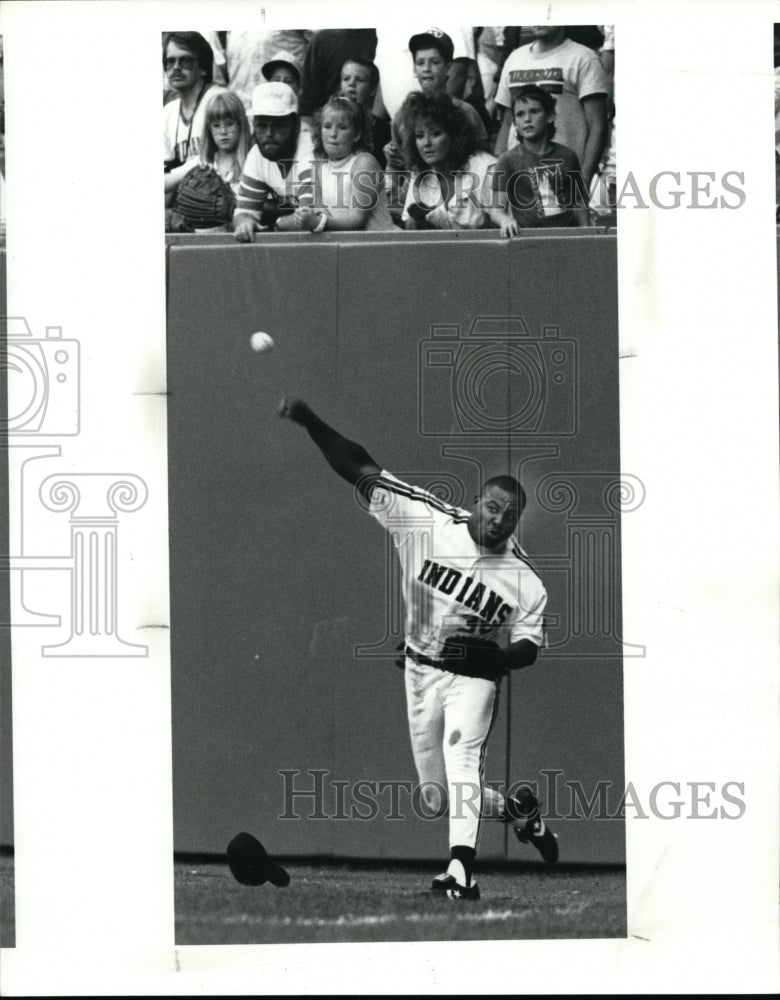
(344, 190)
(451, 185)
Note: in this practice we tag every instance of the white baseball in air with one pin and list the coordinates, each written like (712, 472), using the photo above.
(261, 342)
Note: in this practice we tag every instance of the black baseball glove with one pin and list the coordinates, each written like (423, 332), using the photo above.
(204, 200)
(474, 656)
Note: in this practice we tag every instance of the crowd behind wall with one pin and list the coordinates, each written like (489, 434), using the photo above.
(777, 120)
(455, 128)
(2, 146)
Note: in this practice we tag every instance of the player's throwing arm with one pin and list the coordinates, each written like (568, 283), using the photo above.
(350, 460)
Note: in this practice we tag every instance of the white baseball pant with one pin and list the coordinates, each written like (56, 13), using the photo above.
(450, 717)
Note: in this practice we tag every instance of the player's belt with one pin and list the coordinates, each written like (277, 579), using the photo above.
(453, 666)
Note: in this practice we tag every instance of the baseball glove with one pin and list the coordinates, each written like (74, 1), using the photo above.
(474, 656)
(204, 200)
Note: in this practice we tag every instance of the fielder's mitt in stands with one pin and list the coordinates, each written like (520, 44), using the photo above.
(204, 200)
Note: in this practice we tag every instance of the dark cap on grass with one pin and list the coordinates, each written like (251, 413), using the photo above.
(250, 864)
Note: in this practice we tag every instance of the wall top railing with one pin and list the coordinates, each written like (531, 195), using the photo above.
(418, 236)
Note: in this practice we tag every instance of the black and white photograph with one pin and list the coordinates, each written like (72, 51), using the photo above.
(351, 699)
(366, 574)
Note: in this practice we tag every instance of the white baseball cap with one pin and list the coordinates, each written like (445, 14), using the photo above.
(281, 59)
(274, 99)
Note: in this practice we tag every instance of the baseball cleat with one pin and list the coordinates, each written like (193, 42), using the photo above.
(536, 832)
(441, 882)
(525, 807)
(453, 889)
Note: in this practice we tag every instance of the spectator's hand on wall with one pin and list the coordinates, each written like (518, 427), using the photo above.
(306, 219)
(174, 223)
(245, 229)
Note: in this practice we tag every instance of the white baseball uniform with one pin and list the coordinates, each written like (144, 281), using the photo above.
(452, 587)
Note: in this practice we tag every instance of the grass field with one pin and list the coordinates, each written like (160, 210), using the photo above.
(332, 902)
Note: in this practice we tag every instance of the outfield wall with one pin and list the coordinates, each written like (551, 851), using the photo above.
(283, 593)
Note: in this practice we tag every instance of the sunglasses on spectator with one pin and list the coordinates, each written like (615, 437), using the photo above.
(185, 62)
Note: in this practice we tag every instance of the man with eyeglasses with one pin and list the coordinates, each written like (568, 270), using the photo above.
(188, 61)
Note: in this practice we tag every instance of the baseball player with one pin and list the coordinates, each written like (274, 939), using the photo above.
(466, 583)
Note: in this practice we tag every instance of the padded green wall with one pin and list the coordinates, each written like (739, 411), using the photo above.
(284, 615)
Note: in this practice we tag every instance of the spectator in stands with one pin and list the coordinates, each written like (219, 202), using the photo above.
(432, 53)
(326, 54)
(247, 53)
(490, 57)
(516, 35)
(607, 53)
(573, 74)
(188, 61)
(2, 113)
(603, 187)
(395, 66)
(346, 190)
(538, 182)
(218, 50)
(464, 81)
(270, 183)
(360, 82)
(224, 141)
(590, 35)
(777, 120)
(284, 69)
(451, 185)
(2, 147)
(219, 72)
